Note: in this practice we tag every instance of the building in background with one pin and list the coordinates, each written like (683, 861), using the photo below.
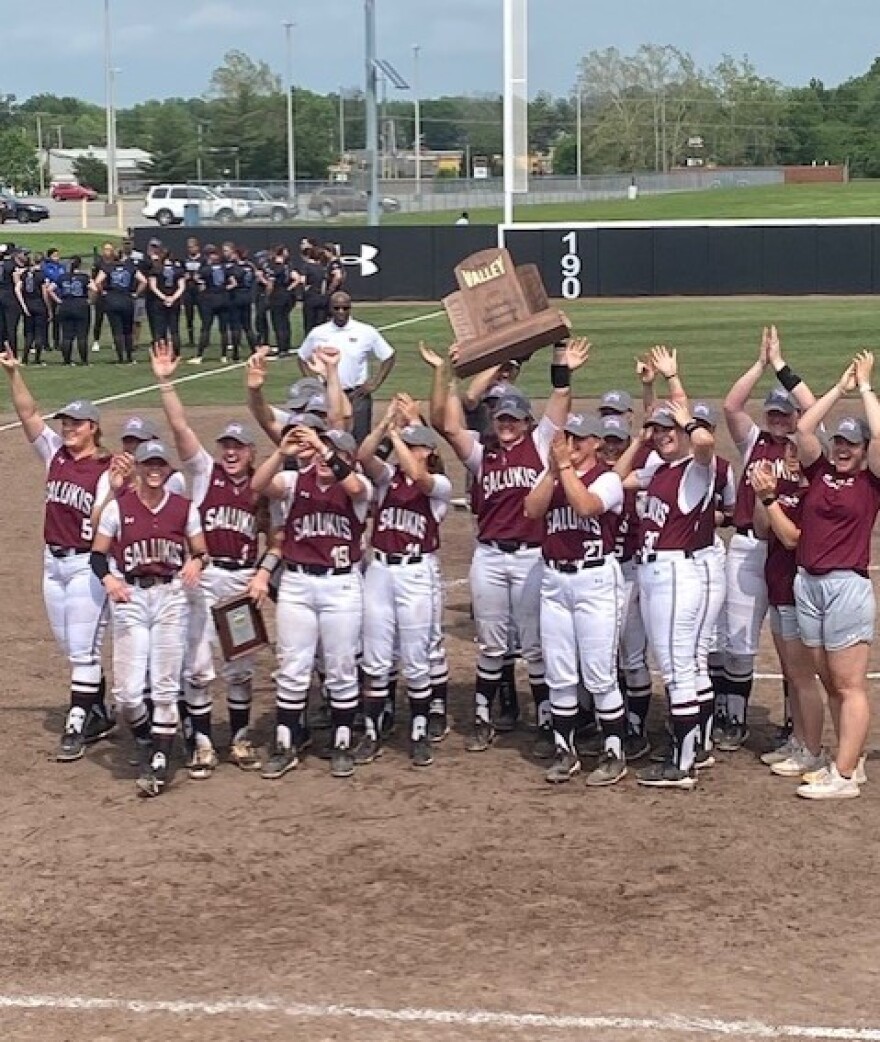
(132, 165)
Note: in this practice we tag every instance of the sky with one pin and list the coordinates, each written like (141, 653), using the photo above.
(165, 48)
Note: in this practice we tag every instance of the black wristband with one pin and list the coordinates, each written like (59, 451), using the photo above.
(99, 564)
(787, 378)
(768, 501)
(689, 428)
(560, 376)
(340, 468)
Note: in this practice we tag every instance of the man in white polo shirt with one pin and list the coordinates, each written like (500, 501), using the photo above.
(356, 341)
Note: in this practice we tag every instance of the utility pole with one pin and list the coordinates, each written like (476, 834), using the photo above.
(291, 158)
(108, 86)
(372, 142)
(40, 155)
(418, 120)
(341, 124)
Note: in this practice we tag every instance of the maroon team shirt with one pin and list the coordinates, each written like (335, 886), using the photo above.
(780, 567)
(626, 540)
(322, 528)
(663, 526)
(404, 521)
(151, 543)
(71, 486)
(706, 521)
(838, 518)
(571, 538)
(229, 518)
(769, 448)
(505, 478)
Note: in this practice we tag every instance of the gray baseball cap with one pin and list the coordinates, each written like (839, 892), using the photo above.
(317, 404)
(853, 430)
(299, 393)
(661, 418)
(81, 409)
(502, 389)
(148, 450)
(342, 441)
(704, 412)
(306, 419)
(779, 400)
(616, 401)
(140, 428)
(417, 434)
(582, 425)
(616, 426)
(513, 406)
(237, 432)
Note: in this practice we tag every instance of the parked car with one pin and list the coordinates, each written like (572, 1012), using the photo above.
(64, 191)
(21, 210)
(262, 206)
(334, 199)
(165, 204)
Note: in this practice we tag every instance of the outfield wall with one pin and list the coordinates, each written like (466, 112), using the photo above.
(720, 258)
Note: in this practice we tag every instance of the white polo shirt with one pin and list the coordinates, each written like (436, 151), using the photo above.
(356, 341)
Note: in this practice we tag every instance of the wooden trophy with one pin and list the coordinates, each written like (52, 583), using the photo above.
(500, 312)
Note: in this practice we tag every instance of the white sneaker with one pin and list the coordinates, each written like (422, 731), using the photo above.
(203, 763)
(789, 747)
(96, 346)
(195, 361)
(860, 775)
(801, 762)
(830, 785)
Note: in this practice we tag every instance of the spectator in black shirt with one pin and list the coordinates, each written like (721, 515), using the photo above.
(167, 282)
(107, 256)
(192, 263)
(283, 281)
(71, 295)
(241, 301)
(212, 281)
(31, 292)
(120, 283)
(10, 319)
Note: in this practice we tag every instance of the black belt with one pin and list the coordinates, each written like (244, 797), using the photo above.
(508, 546)
(571, 567)
(230, 565)
(660, 555)
(380, 555)
(745, 530)
(147, 582)
(317, 569)
(66, 551)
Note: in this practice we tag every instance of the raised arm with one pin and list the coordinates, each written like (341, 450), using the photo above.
(702, 440)
(647, 375)
(739, 423)
(164, 366)
(255, 377)
(478, 387)
(439, 384)
(268, 479)
(415, 469)
(789, 380)
(665, 362)
(809, 446)
(22, 399)
(567, 358)
(374, 467)
(339, 410)
(864, 370)
(452, 424)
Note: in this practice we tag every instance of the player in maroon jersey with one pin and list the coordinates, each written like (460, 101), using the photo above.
(746, 596)
(506, 569)
(577, 499)
(324, 509)
(76, 479)
(160, 549)
(833, 592)
(411, 500)
(779, 519)
(231, 521)
(678, 480)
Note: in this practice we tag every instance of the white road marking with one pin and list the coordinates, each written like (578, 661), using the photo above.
(208, 372)
(714, 1027)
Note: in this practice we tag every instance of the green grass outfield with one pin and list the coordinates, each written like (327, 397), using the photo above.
(716, 340)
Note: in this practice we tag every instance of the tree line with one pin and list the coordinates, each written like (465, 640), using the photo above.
(654, 109)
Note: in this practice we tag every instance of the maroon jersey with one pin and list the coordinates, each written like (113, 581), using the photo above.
(505, 478)
(706, 520)
(626, 540)
(322, 528)
(781, 565)
(569, 537)
(71, 485)
(663, 526)
(229, 518)
(766, 447)
(404, 522)
(838, 518)
(151, 543)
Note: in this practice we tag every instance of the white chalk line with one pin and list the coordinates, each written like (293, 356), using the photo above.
(712, 1026)
(122, 395)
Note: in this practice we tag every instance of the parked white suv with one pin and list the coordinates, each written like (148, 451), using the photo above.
(165, 205)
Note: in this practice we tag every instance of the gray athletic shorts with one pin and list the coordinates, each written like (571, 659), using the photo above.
(783, 622)
(834, 611)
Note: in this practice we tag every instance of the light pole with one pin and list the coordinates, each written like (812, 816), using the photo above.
(291, 155)
(372, 142)
(417, 104)
(342, 124)
(112, 165)
(111, 129)
(40, 154)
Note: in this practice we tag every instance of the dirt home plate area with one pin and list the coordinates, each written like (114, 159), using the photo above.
(468, 901)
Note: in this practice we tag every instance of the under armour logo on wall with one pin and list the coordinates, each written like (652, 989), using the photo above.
(363, 260)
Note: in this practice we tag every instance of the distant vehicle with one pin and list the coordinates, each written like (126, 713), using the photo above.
(70, 191)
(335, 199)
(262, 206)
(21, 210)
(166, 204)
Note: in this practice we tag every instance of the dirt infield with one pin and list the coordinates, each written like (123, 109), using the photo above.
(469, 886)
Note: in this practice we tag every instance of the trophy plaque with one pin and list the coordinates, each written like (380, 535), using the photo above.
(240, 627)
(500, 312)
